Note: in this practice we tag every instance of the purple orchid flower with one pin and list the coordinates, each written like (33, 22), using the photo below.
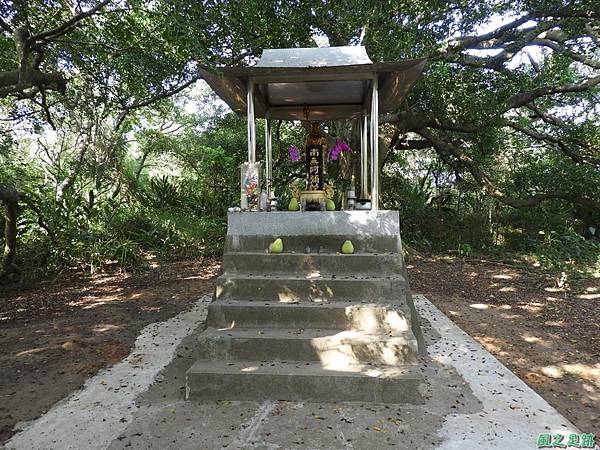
(340, 147)
(294, 153)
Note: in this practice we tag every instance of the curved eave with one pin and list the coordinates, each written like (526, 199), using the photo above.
(395, 80)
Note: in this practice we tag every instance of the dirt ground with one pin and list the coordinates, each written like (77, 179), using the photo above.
(54, 336)
(548, 336)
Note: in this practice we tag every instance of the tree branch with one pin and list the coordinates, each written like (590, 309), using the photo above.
(507, 38)
(553, 45)
(484, 180)
(68, 25)
(412, 144)
(564, 147)
(30, 52)
(409, 120)
(140, 104)
(523, 98)
(463, 42)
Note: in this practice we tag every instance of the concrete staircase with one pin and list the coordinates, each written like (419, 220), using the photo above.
(310, 324)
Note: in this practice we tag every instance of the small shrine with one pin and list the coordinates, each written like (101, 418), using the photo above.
(312, 306)
(314, 85)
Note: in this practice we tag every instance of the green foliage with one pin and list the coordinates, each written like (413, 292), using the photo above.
(442, 213)
(119, 215)
(160, 180)
(161, 193)
(173, 233)
(566, 251)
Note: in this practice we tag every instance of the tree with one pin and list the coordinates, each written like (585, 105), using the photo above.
(525, 68)
(508, 101)
(45, 40)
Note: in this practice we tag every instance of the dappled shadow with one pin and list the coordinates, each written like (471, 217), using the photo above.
(354, 323)
(56, 335)
(78, 291)
(549, 335)
(345, 349)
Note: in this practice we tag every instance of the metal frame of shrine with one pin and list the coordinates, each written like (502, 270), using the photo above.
(318, 84)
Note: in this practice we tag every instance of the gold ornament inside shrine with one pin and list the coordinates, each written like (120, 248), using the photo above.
(316, 84)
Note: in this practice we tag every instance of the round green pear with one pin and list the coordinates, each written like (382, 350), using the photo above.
(330, 205)
(293, 206)
(347, 248)
(276, 246)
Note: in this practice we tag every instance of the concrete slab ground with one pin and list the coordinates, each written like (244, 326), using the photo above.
(472, 401)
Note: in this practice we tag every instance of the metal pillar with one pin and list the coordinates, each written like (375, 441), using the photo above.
(364, 157)
(268, 156)
(374, 146)
(251, 125)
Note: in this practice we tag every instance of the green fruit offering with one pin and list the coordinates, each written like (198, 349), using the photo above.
(276, 246)
(293, 206)
(330, 205)
(347, 248)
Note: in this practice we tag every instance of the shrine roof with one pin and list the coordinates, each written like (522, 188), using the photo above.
(314, 57)
(329, 82)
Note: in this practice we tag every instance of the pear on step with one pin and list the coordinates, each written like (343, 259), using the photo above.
(293, 205)
(330, 205)
(347, 248)
(276, 246)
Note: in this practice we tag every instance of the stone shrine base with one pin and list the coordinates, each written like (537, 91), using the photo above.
(311, 324)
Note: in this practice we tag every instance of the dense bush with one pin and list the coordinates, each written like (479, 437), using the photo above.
(440, 213)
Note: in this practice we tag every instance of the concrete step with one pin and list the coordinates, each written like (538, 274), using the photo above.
(303, 381)
(291, 289)
(330, 346)
(377, 264)
(328, 243)
(372, 317)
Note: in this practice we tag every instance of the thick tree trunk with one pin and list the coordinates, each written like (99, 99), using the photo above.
(67, 183)
(10, 199)
(15, 81)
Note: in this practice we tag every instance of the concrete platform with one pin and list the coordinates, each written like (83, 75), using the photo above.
(272, 346)
(331, 347)
(472, 402)
(305, 381)
(319, 232)
(318, 288)
(314, 263)
(367, 316)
